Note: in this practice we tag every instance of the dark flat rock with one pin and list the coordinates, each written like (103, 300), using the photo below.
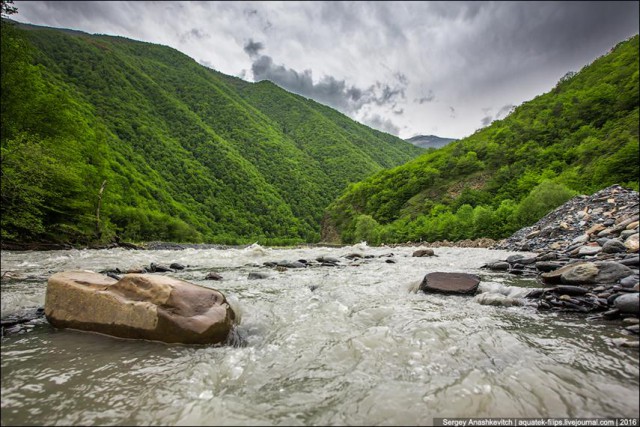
(450, 283)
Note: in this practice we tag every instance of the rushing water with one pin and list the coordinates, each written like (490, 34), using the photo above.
(359, 349)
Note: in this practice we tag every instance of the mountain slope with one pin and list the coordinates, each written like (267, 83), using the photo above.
(187, 153)
(581, 136)
(429, 141)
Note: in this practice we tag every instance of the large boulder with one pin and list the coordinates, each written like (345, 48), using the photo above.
(138, 306)
(578, 272)
(450, 283)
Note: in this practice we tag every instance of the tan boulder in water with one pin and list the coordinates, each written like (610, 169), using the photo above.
(138, 306)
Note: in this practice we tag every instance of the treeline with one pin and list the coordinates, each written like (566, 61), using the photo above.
(580, 137)
(105, 137)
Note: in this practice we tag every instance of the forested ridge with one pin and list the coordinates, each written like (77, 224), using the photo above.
(105, 137)
(579, 137)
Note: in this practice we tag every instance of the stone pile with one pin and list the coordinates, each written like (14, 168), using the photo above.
(611, 213)
(586, 257)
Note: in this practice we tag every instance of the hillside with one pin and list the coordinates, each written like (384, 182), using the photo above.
(106, 137)
(580, 137)
(429, 141)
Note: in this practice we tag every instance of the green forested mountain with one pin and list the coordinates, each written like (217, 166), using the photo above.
(581, 136)
(104, 136)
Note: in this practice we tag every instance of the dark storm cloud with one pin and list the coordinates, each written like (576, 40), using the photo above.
(376, 55)
(329, 90)
(353, 17)
(253, 48)
(514, 35)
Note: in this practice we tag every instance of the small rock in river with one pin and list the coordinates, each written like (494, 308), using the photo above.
(450, 283)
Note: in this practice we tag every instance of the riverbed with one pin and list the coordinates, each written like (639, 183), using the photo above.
(344, 345)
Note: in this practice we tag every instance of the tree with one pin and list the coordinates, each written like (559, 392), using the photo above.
(542, 199)
(8, 8)
(367, 229)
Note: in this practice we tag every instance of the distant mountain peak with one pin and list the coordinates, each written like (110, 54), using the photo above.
(429, 141)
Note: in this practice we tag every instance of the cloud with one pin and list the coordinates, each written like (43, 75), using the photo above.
(427, 98)
(206, 64)
(328, 90)
(378, 122)
(253, 48)
(504, 111)
(194, 33)
(473, 54)
(486, 121)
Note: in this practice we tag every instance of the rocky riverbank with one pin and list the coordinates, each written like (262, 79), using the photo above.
(587, 258)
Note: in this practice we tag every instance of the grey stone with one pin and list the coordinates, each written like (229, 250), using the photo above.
(629, 281)
(631, 261)
(633, 328)
(628, 303)
(589, 250)
(571, 290)
(423, 253)
(583, 238)
(514, 258)
(611, 271)
(613, 246)
(328, 260)
(546, 266)
(627, 233)
(291, 264)
(498, 265)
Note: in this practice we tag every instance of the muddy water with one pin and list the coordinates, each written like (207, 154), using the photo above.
(358, 349)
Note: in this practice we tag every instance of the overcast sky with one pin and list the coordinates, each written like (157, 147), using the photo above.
(408, 68)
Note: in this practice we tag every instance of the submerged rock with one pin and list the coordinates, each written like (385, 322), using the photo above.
(450, 283)
(423, 253)
(138, 306)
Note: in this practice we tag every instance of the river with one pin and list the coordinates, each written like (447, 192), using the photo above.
(346, 345)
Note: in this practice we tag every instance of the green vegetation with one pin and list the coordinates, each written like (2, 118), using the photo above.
(580, 137)
(104, 136)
